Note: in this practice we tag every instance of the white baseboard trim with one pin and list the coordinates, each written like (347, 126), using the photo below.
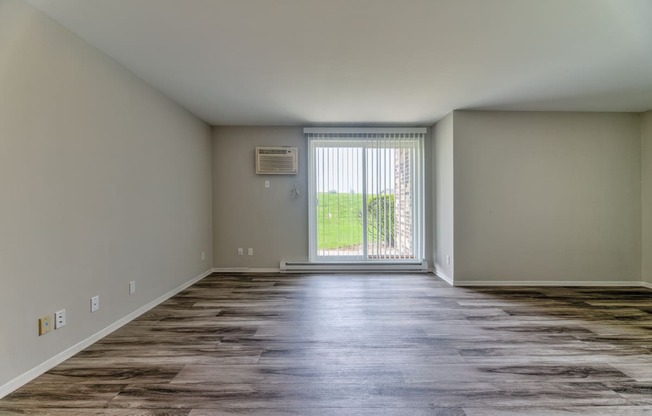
(646, 284)
(246, 270)
(557, 283)
(443, 277)
(30, 375)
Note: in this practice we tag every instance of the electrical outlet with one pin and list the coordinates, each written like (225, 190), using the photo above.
(95, 303)
(250, 251)
(60, 319)
(132, 287)
(266, 184)
(448, 259)
(240, 251)
(203, 255)
(43, 325)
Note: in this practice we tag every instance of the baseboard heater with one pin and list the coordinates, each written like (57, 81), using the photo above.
(343, 267)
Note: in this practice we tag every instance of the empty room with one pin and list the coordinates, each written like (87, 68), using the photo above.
(326, 207)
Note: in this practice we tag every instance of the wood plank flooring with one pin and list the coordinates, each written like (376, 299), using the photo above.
(363, 345)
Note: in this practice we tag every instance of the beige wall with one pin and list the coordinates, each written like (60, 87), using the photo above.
(246, 214)
(547, 196)
(429, 197)
(102, 180)
(443, 191)
(646, 145)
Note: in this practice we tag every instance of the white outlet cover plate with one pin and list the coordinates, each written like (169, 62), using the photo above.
(95, 303)
(132, 287)
(60, 319)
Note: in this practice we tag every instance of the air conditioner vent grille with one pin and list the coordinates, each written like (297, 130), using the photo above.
(273, 151)
(276, 160)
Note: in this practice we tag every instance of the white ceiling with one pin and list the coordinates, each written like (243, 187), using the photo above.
(287, 62)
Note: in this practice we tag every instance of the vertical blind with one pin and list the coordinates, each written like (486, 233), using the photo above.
(366, 194)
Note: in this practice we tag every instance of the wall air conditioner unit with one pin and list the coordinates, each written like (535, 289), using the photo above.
(277, 160)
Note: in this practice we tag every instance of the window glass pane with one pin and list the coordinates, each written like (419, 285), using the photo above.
(364, 189)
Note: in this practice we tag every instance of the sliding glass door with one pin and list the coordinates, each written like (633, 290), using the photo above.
(366, 195)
